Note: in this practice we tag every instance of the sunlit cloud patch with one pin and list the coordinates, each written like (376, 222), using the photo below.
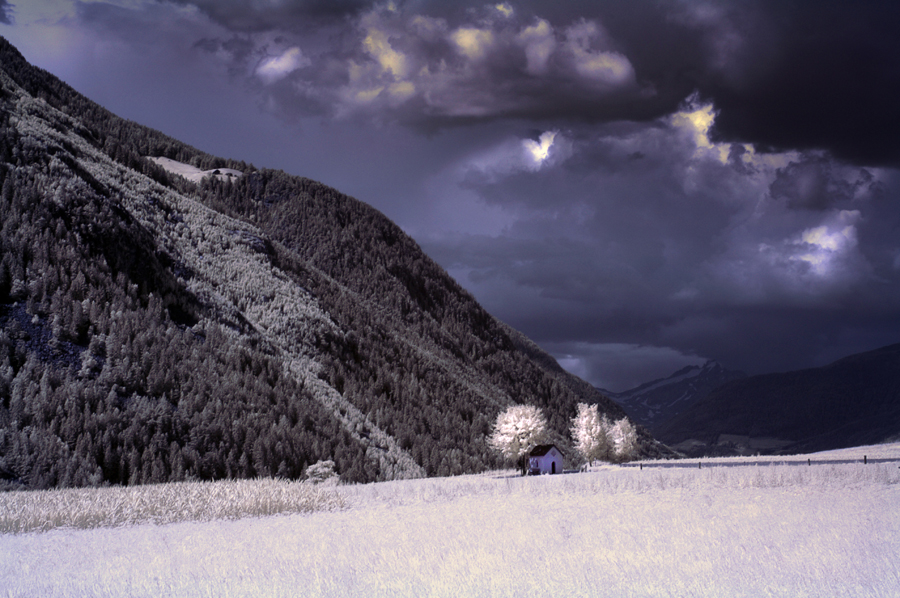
(278, 67)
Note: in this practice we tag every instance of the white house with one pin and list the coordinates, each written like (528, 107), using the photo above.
(545, 458)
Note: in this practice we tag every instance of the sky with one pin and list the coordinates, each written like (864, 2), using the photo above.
(636, 185)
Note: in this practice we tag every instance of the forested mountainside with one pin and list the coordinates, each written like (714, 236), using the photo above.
(153, 329)
(851, 402)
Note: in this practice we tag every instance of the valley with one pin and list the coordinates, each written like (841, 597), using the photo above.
(304, 298)
(169, 325)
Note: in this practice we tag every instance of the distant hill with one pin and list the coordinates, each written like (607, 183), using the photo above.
(241, 324)
(853, 401)
(654, 403)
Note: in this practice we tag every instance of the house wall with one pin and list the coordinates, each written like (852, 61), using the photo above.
(545, 464)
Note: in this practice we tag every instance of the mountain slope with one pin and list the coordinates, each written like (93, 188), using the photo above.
(156, 329)
(654, 403)
(853, 401)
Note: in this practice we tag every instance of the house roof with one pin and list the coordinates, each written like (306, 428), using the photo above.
(542, 449)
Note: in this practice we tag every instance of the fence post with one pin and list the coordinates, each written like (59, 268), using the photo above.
(865, 457)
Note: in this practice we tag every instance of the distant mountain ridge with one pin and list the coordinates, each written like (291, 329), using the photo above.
(853, 401)
(653, 403)
(154, 328)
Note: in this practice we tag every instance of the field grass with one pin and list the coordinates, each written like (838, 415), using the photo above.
(87, 508)
(769, 530)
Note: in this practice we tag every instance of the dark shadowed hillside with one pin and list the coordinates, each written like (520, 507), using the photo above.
(853, 401)
(656, 402)
(156, 329)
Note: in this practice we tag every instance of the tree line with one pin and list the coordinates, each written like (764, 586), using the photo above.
(520, 428)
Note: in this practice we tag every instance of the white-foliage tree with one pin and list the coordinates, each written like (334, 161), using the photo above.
(518, 430)
(322, 472)
(591, 433)
(624, 438)
(598, 439)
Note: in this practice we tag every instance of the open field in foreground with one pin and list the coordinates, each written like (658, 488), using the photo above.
(771, 530)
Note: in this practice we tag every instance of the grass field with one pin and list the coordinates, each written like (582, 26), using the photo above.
(765, 530)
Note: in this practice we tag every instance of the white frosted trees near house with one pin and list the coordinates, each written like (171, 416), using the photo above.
(591, 433)
(624, 438)
(598, 439)
(518, 430)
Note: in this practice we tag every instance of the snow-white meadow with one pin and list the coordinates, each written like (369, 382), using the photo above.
(744, 530)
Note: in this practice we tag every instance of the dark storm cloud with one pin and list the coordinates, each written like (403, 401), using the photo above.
(813, 184)
(6, 10)
(240, 50)
(785, 75)
(239, 15)
(818, 75)
(433, 66)
(642, 237)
